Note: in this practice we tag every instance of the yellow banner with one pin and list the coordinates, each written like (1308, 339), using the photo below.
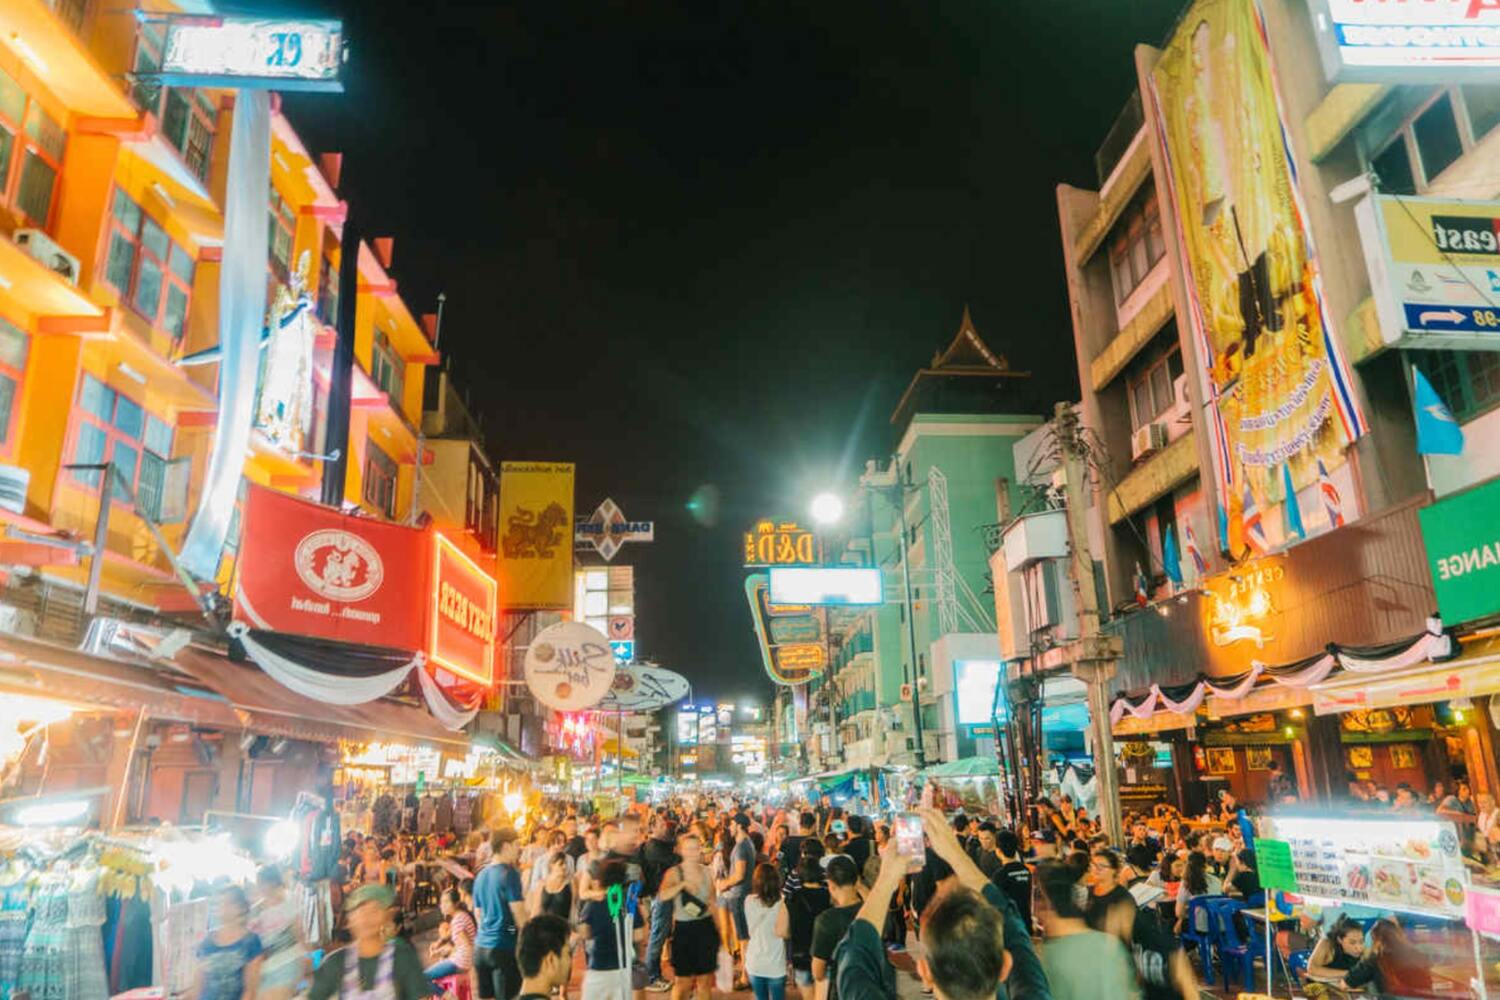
(1281, 391)
(536, 535)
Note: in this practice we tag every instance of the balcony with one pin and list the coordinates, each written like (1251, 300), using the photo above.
(1153, 478)
(1143, 324)
(1122, 133)
(1130, 168)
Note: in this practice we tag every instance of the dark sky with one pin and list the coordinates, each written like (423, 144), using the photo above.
(702, 242)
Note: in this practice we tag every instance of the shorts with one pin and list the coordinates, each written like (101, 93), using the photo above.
(695, 947)
(802, 977)
(606, 985)
(499, 976)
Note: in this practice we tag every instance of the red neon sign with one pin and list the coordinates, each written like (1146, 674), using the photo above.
(461, 623)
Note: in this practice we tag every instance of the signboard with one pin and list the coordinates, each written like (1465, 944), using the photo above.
(314, 571)
(792, 638)
(687, 727)
(536, 561)
(461, 621)
(1482, 911)
(246, 52)
(607, 529)
(621, 627)
(822, 585)
(644, 689)
(1435, 41)
(780, 543)
(1434, 269)
(1273, 862)
(1280, 394)
(1413, 865)
(569, 666)
(1462, 535)
(624, 650)
(974, 690)
(1241, 605)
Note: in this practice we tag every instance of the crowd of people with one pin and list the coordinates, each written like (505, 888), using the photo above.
(806, 897)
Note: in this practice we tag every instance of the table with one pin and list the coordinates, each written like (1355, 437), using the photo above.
(1260, 916)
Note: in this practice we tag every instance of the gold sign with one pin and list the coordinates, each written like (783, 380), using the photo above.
(783, 543)
(1240, 601)
(801, 656)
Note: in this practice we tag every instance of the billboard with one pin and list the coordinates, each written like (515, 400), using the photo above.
(1463, 550)
(536, 545)
(317, 572)
(780, 543)
(461, 636)
(239, 52)
(607, 529)
(821, 585)
(974, 690)
(687, 727)
(1436, 41)
(1279, 390)
(1434, 269)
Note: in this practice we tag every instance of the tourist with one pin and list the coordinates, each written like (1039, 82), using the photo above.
(377, 962)
(453, 953)
(544, 957)
(767, 922)
(501, 903)
(229, 956)
(689, 890)
(611, 931)
(278, 923)
(1081, 963)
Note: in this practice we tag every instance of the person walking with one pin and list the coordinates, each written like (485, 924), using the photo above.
(276, 921)
(229, 957)
(767, 922)
(689, 890)
(502, 912)
(377, 964)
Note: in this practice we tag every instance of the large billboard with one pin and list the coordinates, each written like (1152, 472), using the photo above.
(792, 638)
(1280, 393)
(1434, 41)
(536, 540)
(285, 54)
(823, 585)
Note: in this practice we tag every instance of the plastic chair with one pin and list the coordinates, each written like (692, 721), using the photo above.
(1203, 940)
(1233, 951)
(1296, 964)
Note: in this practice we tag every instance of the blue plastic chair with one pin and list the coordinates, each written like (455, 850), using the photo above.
(1202, 940)
(1296, 964)
(1233, 950)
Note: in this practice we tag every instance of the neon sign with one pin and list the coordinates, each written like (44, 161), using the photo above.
(782, 543)
(1240, 601)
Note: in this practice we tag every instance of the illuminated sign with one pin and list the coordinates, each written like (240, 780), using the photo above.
(791, 637)
(974, 689)
(607, 529)
(1463, 549)
(687, 728)
(462, 627)
(1240, 602)
(253, 52)
(624, 650)
(1436, 41)
(820, 585)
(784, 543)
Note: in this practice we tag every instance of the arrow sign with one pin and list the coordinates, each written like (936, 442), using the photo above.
(1451, 315)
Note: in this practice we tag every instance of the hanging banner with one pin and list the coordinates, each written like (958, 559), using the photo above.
(536, 544)
(1280, 392)
(461, 622)
(310, 570)
(569, 666)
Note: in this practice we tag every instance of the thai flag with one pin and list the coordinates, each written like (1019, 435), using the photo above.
(1251, 526)
(1142, 587)
(1333, 506)
(1200, 565)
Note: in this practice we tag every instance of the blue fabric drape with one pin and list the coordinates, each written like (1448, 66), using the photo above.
(242, 312)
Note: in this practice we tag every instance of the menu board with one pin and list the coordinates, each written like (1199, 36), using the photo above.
(1407, 864)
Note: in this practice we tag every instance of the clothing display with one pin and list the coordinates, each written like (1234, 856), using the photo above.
(15, 904)
(315, 907)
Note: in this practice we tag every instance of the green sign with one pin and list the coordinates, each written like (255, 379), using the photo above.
(1463, 551)
(1273, 863)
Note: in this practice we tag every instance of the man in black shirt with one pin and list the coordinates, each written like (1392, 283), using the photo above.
(657, 855)
(802, 825)
(544, 956)
(833, 923)
(1014, 878)
(858, 845)
(987, 857)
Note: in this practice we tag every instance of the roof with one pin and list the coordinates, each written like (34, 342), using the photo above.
(967, 358)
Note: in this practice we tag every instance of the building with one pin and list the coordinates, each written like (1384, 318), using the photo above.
(112, 208)
(1247, 393)
(952, 466)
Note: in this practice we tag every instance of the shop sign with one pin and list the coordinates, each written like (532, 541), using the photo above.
(607, 529)
(536, 561)
(1482, 911)
(306, 569)
(1240, 603)
(644, 689)
(1273, 862)
(239, 52)
(461, 636)
(780, 543)
(1462, 536)
(1410, 865)
(624, 650)
(801, 657)
(1434, 268)
(1436, 41)
(569, 666)
(792, 637)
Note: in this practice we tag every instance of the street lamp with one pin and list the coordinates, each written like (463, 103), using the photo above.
(827, 508)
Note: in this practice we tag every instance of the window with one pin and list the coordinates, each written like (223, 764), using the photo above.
(114, 428)
(328, 286)
(151, 272)
(187, 115)
(1153, 387)
(1393, 166)
(282, 225)
(1435, 131)
(1136, 244)
(1419, 139)
(30, 135)
(14, 347)
(380, 480)
(1467, 381)
(73, 12)
(1482, 102)
(387, 369)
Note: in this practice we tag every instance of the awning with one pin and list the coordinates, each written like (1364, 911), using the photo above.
(277, 711)
(1474, 672)
(85, 681)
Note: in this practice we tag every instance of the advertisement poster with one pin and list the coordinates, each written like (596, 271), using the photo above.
(1280, 392)
(536, 535)
(1412, 865)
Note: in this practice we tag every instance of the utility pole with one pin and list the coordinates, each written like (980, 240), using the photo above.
(899, 492)
(1093, 656)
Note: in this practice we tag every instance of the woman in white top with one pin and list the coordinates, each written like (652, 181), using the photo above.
(766, 918)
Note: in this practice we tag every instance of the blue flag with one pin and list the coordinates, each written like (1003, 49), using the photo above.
(1437, 432)
(1293, 511)
(1170, 559)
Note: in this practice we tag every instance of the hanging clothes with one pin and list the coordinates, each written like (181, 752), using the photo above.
(84, 975)
(15, 904)
(43, 956)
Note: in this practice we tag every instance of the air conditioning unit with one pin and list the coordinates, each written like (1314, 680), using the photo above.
(1147, 439)
(1180, 399)
(49, 254)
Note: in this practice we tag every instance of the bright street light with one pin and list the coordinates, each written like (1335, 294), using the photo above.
(827, 508)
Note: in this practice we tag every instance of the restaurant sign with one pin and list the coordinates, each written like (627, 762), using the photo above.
(287, 54)
(780, 543)
(1462, 536)
(461, 626)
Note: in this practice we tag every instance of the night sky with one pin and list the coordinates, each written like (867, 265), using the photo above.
(689, 243)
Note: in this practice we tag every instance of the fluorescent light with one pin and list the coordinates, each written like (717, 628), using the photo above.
(25, 51)
(51, 813)
(826, 585)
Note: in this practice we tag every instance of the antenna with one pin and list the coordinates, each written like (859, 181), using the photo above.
(437, 326)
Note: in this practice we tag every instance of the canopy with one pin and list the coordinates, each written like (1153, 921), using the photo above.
(964, 767)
